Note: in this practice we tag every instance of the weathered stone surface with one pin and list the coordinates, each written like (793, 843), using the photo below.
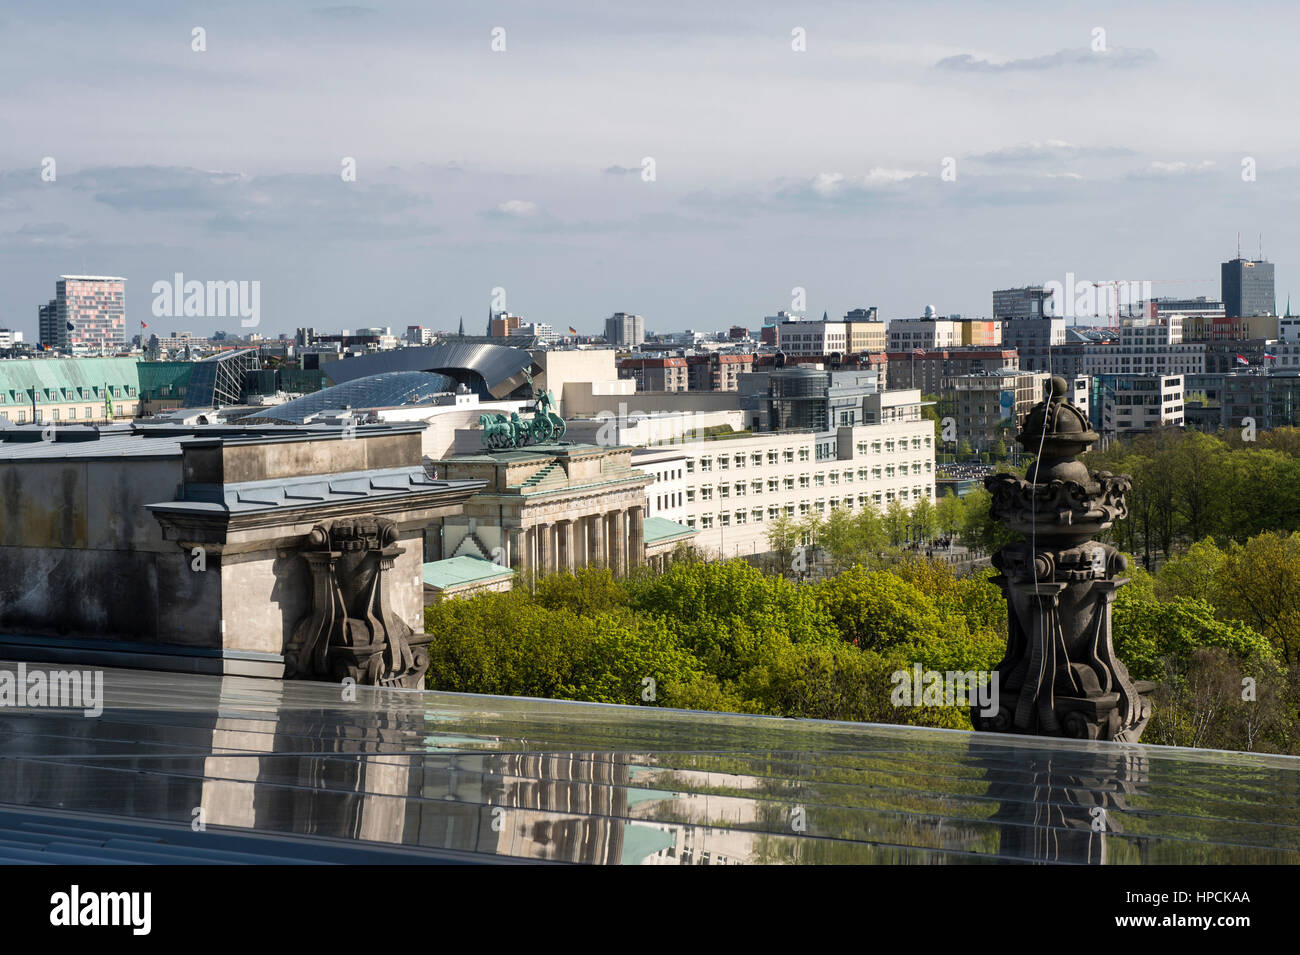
(351, 630)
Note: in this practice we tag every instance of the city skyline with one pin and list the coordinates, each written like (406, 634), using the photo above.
(774, 168)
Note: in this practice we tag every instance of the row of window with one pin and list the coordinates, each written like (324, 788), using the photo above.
(815, 480)
(803, 509)
(88, 414)
(51, 394)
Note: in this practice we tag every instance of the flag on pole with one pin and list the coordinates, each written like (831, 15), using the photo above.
(1241, 360)
(572, 330)
(1270, 357)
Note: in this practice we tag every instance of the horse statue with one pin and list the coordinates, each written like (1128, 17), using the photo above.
(497, 431)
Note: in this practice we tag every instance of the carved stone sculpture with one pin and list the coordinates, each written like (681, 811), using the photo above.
(351, 631)
(1060, 675)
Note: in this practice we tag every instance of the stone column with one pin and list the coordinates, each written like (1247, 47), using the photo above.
(570, 547)
(618, 543)
(539, 549)
(596, 540)
(518, 544)
(636, 537)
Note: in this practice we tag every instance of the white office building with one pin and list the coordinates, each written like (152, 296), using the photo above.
(730, 489)
(812, 337)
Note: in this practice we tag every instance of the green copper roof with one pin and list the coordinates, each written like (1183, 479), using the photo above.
(456, 571)
(65, 379)
(661, 528)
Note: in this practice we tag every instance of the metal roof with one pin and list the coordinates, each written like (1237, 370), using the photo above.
(658, 529)
(64, 379)
(312, 490)
(454, 571)
(492, 370)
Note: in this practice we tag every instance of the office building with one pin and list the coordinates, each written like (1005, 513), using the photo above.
(1247, 287)
(729, 490)
(624, 331)
(1148, 346)
(87, 315)
(1135, 403)
(929, 331)
(808, 337)
(925, 370)
(1034, 339)
(1028, 302)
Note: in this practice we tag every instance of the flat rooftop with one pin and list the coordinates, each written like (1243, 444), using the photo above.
(291, 770)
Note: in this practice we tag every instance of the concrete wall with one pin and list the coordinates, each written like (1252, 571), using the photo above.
(80, 555)
(589, 404)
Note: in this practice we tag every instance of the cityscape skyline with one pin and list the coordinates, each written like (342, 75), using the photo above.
(774, 168)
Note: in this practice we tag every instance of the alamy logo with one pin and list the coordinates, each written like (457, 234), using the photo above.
(193, 299)
(972, 688)
(75, 907)
(1080, 298)
(66, 689)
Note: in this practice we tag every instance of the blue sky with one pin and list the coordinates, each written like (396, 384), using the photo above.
(521, 168)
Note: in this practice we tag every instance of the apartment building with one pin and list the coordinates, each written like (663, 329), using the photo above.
(717, 372)
(927, 369)
(655, 374)
(989, 408)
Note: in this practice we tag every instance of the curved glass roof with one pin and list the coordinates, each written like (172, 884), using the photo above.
(386, 390)
(493, 371)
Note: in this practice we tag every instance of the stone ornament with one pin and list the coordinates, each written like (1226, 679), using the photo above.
(351, 631)
(1060, 675)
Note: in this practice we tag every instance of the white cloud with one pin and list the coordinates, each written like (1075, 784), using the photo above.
(833, 183)
(518, 208)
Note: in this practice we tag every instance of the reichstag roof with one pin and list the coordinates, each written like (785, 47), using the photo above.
(455, 777)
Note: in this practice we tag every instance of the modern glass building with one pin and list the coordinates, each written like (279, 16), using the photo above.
(386, 390)
(91, 313)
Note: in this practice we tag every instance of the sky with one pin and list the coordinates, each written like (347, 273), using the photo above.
(694, 163)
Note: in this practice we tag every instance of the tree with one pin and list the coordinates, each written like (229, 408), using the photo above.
(877, 610)
(896, 522)
(980, 529)
(925, 518)
(841, 538)
(1195, 574)
(783, 536)
(950, 513)
(1260, 585)
(1147, 632)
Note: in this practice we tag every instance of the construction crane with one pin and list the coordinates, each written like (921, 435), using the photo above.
(1112, 319)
